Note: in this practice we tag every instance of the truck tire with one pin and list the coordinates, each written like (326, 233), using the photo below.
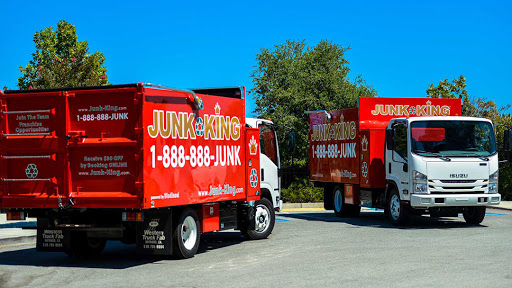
(397, 211)
(340, 208)
(474, 215)
(265, 219)
(186, 236)
(82, 246)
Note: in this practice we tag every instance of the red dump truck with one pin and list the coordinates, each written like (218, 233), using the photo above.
(139, 163)
(409, 156)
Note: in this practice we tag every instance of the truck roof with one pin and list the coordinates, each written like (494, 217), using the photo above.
(237, 92)
(445, 118)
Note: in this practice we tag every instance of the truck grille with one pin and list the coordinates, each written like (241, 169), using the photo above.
(458, 186)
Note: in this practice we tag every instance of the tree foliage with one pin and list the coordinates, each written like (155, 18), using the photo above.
(483, 108)
(61, 60)
(292, 77)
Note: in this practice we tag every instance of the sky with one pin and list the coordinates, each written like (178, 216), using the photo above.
(398, 47)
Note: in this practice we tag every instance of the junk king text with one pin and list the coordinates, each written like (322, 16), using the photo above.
(184, 125)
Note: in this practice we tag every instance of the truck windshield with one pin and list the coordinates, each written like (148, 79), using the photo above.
(452, 138)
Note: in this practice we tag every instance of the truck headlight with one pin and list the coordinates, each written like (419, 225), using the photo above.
(493, 182)
(419, 182)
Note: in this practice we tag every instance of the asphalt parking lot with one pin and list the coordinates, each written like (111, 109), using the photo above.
(307, 249)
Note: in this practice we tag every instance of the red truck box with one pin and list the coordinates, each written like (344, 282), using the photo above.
(126, 147)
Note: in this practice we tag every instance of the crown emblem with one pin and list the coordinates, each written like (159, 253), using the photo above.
(253, 146)
(364, 144)
(217, 108)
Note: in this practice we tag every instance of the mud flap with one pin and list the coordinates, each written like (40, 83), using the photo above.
(251, 214)
(52, 239)
(154, 233)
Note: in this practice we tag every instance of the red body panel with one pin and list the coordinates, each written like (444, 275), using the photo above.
(349, 148)
(122, 147)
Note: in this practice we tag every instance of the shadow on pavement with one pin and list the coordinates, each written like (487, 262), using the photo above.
(379, 220)
(19, 224)
(115, 256)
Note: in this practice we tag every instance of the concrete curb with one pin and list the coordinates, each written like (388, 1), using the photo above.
(500, 208)
(15, 241)
(505, 205)
(302, 205)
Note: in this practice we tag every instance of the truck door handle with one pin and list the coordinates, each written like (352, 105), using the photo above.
(262, 174)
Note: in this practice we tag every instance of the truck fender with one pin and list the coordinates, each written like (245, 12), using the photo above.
(393, 180)
(390, 185)
(266, 192)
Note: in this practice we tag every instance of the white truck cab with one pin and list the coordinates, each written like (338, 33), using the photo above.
(270, 163)
(443, 165)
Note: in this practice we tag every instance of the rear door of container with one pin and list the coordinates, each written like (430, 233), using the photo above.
(32, 148)
(77, 147)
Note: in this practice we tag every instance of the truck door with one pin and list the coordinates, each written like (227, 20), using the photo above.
(398, 159)
(270, 179)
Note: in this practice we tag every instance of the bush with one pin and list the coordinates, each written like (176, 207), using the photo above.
(302, 191)
(505, 182)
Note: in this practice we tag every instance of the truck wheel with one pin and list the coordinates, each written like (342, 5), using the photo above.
(397, 211)
(340, 208)
(186, 235)
(265, 219)
(82, 246)
(474, 215)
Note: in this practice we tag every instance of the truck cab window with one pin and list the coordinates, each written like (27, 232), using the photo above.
(268, 142)
(401, 141)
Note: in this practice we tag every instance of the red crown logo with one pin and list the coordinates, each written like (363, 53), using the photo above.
(253, 146)
(364, 144)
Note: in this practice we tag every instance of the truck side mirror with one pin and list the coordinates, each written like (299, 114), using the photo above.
(507, 140)
(390, 139)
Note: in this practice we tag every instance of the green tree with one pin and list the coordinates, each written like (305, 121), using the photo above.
(455, 89)
(61, 60)
(292, 78)
(483, 108)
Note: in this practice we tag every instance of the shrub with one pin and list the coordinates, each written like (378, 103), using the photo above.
(302, 191)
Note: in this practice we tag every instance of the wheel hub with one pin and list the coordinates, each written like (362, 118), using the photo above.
(262, 218)
(338, 200)
(394, 207)
(189, 232)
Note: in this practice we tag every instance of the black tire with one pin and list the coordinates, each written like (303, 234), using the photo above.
(355, 210)
(82, 246)
(186, 234)
(265, 218)
(338, 198)
(474, 215)
(397, 210)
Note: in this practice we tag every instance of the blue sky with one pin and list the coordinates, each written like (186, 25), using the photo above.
(399, 47)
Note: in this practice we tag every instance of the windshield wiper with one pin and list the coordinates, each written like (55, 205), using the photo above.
(476, 155)
(435, 154)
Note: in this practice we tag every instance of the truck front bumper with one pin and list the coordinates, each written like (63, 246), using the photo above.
(447, 200)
